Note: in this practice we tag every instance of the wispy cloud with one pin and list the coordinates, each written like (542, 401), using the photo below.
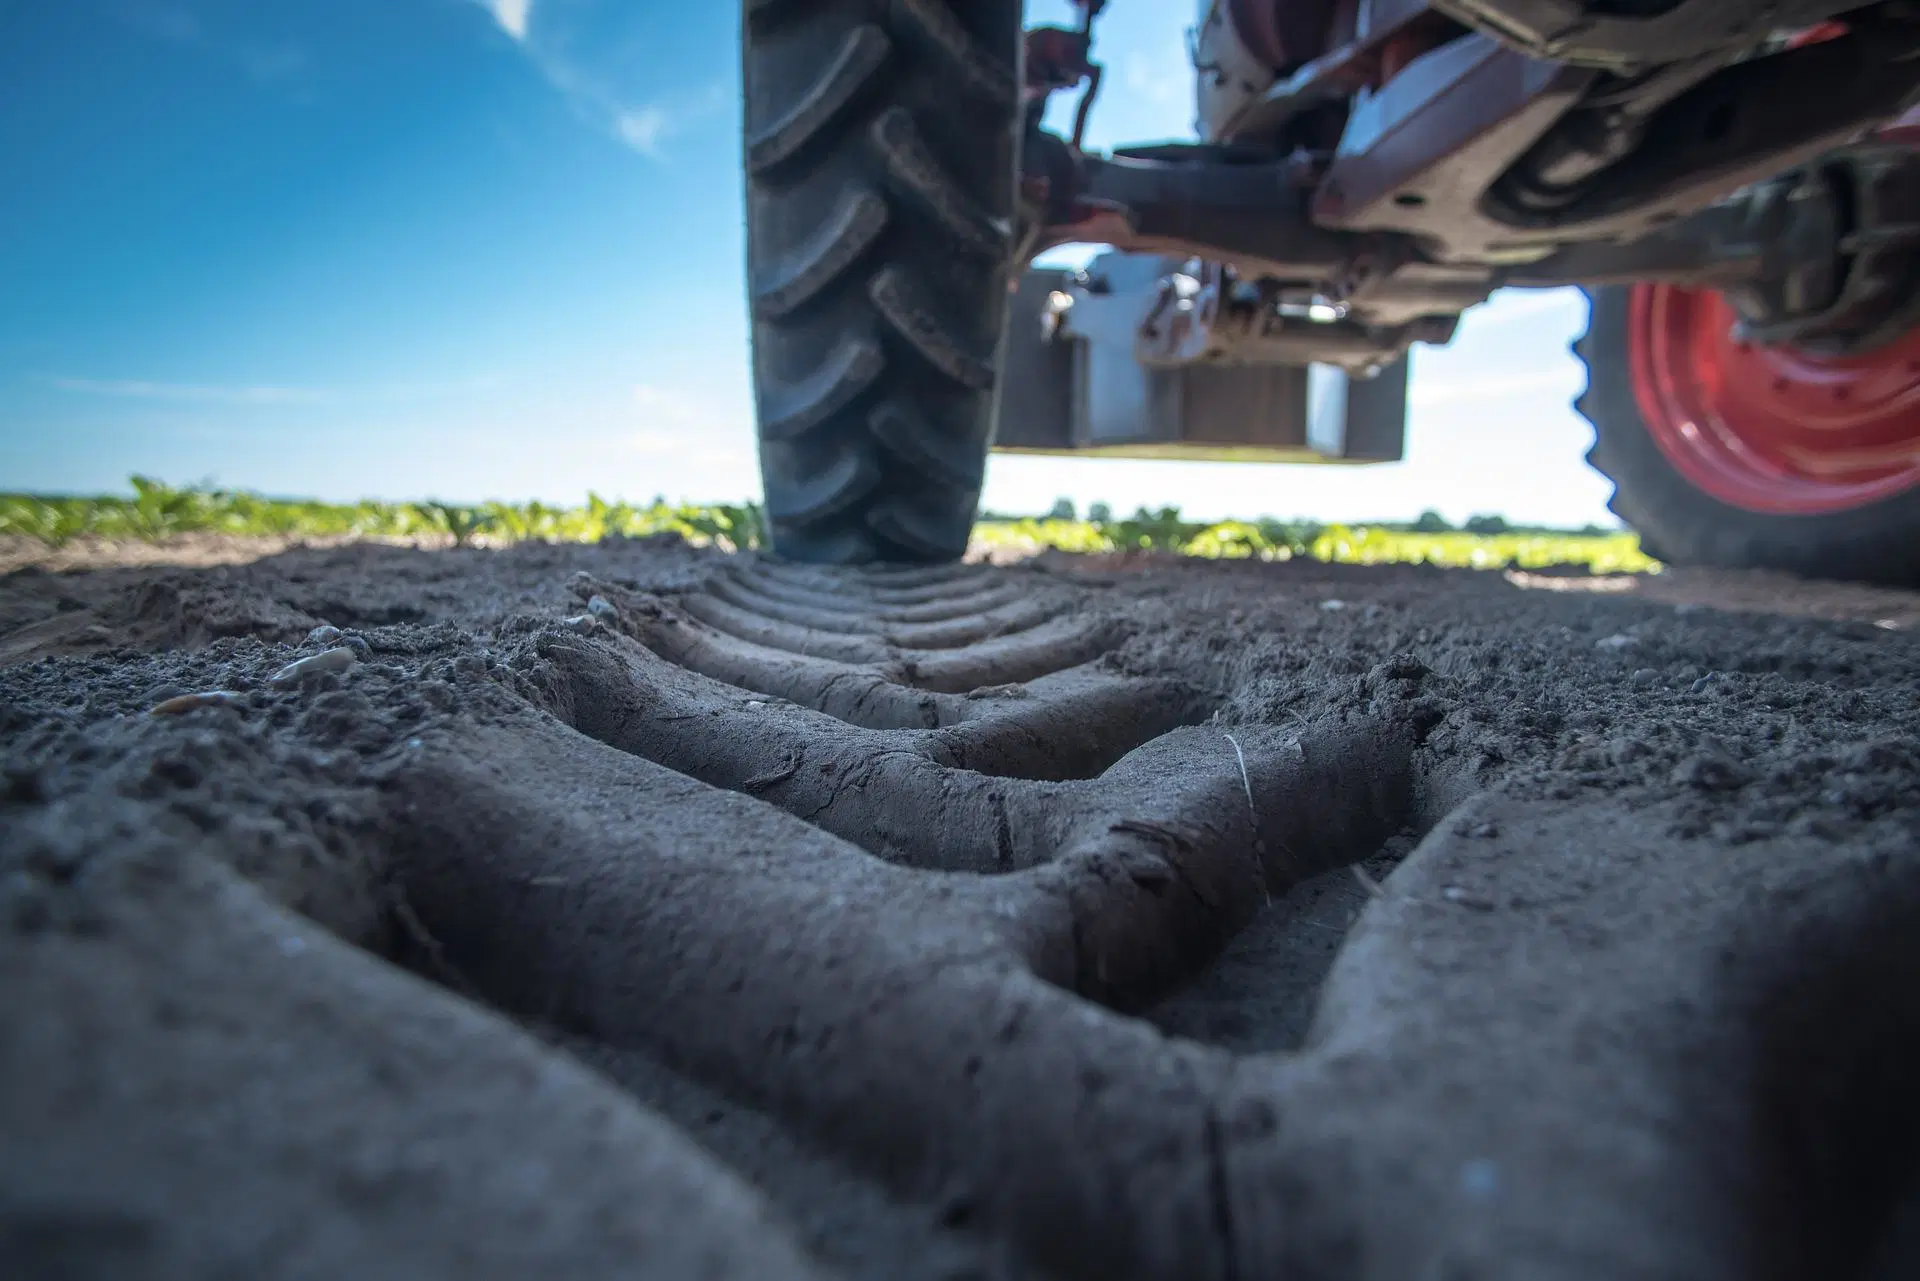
(643, 128)
(197, 393)
(643, 124)
(514, 16)
(648, 128)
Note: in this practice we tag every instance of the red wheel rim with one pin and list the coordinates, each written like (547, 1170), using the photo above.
(1772, 429)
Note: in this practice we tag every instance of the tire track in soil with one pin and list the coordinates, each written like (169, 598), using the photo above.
(970, 922)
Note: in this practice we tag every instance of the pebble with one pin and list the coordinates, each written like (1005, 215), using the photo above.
(1645, 678)
(1012, 691)
(1615, 642)
(601, 607)
(581, 623)
(1333, 606)
(325, 634)
(327, 660)
(1712, 768)
(182, 703)
(1700, 686)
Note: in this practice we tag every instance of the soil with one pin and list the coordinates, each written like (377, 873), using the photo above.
(638, 911)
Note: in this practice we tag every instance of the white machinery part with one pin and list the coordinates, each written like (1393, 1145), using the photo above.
(1227, 77)
(1075, 381)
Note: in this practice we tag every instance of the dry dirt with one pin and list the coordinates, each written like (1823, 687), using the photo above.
(634, 911)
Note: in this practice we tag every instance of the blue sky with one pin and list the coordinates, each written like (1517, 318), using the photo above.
(410, 248)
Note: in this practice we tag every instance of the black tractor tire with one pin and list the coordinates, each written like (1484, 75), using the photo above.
(882, 162)
(1681, 525)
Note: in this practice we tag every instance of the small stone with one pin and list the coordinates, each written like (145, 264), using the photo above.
(358, 645)
(582, 623)
(1465, 898)
(1333, 606)
(180, 704)
(325, 634)
(1645, 678)
(1700, 686)
(601, 607)
(1616, 642)
(1712, 768)
(327, 660)
(1009, 691)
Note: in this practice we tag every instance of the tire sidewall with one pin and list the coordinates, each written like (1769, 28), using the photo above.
(1682, 524)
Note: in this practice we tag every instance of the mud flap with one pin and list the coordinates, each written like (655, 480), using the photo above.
(1357, 420)
(1076, 388)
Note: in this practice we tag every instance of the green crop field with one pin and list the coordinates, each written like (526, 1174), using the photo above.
(154, 512)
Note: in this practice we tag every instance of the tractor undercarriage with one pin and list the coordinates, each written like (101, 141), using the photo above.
(1418, 166)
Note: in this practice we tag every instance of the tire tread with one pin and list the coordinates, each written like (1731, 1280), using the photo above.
(881, 157)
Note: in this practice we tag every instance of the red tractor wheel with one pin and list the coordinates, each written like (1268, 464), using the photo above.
(1728, 453)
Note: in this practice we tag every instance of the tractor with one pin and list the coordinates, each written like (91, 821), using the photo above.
(1734, 185)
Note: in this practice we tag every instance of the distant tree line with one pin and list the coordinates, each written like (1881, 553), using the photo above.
(1429, 522)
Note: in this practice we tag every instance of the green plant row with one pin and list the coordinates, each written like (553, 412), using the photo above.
(156, 511)
(1605, 552)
